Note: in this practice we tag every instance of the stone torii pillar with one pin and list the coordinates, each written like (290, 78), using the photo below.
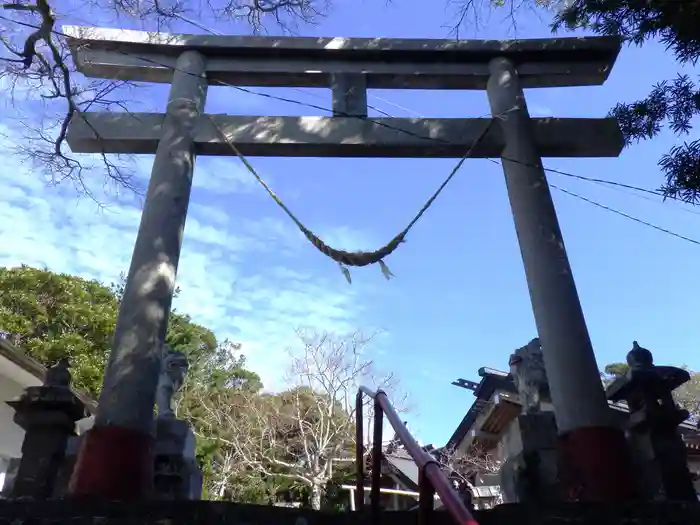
(332, 62)
(594, 463)
(116, 458)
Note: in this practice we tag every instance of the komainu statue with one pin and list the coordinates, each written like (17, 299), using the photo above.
(173, 371)
(59, 374)
(529, 375)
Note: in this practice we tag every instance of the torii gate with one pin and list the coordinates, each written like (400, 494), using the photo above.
(592, 449)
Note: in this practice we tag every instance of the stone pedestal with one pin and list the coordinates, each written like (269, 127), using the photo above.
(66, 470)
(48, 415)
(10, 475)
(529, 474)
(177, 475)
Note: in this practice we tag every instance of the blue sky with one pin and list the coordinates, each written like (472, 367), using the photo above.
(459, 300)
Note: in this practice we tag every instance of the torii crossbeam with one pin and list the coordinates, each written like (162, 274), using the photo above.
(592, 450)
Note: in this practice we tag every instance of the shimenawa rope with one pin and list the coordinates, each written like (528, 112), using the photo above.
(357, 259)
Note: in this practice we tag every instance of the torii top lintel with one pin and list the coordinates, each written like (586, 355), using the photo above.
(386, 63)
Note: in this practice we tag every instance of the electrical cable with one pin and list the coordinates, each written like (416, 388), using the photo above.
(603, 182)
(623, 214)
(425, 137)
(361, 117)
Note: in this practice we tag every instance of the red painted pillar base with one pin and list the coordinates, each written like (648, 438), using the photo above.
(594, 465)
(113, 463)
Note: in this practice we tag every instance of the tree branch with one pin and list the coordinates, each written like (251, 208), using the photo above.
(44, 64)
(34, 53)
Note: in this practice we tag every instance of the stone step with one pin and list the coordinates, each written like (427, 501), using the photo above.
(71, 512)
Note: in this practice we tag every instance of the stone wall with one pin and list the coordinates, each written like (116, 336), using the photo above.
(216, 513)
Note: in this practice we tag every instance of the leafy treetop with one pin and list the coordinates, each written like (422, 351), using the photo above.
(54, 315)
(252, 446)
(51, 316)
(673, 102)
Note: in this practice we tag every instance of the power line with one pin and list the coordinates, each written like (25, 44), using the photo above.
(417, 135)
(316, 95)
(623, 214)
(551, 170)
(611, 184)
(401, 130)
(643, 192)
(344, 114)
(308, 93)
(649, 199)
(408, 110)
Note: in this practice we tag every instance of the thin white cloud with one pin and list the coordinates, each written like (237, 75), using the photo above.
(240, 276)
(538, 110)
(349, 239)
(225, 177)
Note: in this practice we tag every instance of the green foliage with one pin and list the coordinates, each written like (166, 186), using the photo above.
(197, 342)
(675, 24)
(615, 370)
(612, 371)
(218, 379)
(252, 447)
(688, 395)
(309, 423)
(337, 499)
(675, 102)
(51, 316)
(286, 446)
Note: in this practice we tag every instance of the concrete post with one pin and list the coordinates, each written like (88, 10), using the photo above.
(116, 458)
(592, 450)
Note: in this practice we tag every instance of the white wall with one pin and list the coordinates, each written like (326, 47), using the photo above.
(11, 435)
(13, 380)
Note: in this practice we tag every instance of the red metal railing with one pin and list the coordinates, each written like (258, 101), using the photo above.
(432, 480)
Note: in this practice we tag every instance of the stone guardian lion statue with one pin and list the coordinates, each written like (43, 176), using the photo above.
(530, 376)
(173, 371)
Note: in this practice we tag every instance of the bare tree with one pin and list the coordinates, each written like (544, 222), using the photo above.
(37, 68)
(302, 433)
(467, 466)
(468, 16)
(216, 381)
(463, 468)
(688, 396)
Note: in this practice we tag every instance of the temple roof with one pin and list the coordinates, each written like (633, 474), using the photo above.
(491, 380)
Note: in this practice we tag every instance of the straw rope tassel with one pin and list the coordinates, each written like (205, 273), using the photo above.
(343, 258)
